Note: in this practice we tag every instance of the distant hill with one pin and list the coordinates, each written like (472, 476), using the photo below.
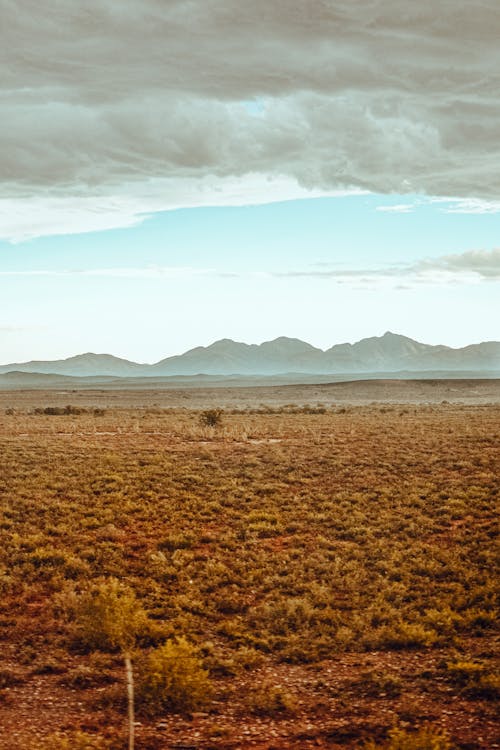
(81, 366)
(388, 353)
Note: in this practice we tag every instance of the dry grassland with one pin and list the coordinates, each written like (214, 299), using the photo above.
(332, 568)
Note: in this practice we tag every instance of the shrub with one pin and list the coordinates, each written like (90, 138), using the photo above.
(9, 677)
(176, 541)
(269, 700)
(107, 615)
(223, 665)
(82, 677)
(464, 672)
(424, 739)
(76, 741)
(375, 684)
(172, 678)
(60, 410)
(211, 417)
(475, 678)
(404, 635)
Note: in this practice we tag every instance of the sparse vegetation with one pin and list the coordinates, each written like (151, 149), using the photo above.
(319, 573)
(59, 411)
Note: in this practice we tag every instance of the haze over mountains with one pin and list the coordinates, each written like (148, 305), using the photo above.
(388, 353)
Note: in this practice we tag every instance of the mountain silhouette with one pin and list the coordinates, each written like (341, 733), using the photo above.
(388, 353)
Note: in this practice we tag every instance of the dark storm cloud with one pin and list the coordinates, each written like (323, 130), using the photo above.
(110, 98)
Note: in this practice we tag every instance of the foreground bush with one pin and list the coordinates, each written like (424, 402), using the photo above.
(108, 616)
(172, 678)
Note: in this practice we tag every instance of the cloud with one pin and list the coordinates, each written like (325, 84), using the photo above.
(4, 329)
(472, 206)
(400, 208)
(24, 218)
(472, 266)
(484, 263)
(469, 267)
(145, 272)
(104, 104)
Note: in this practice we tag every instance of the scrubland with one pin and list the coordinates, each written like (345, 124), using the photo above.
(319, 577)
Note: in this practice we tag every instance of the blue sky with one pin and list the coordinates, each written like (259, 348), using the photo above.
(325, 270)
(175, 173)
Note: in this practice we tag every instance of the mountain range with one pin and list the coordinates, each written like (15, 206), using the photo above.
(388, 353)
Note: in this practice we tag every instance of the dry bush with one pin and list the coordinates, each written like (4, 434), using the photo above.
(375, 683)
(172, 678)
(211, 417)
(271, 700)
(106, 615)
(475, 678)
(10, 677)
(74, 741)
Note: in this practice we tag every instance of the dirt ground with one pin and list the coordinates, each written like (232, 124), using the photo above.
(360, 392)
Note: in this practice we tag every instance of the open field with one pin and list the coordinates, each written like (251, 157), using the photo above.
(245, 395)
(334, 566)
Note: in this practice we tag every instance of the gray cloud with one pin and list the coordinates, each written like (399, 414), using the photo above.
(484, 263)
(107, 100)
(468, 267)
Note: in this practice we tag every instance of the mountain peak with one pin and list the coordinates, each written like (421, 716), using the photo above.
(391, 335)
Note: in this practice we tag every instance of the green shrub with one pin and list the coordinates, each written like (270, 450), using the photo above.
(172, 678)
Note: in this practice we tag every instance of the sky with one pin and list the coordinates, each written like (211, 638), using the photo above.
(175, 172)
